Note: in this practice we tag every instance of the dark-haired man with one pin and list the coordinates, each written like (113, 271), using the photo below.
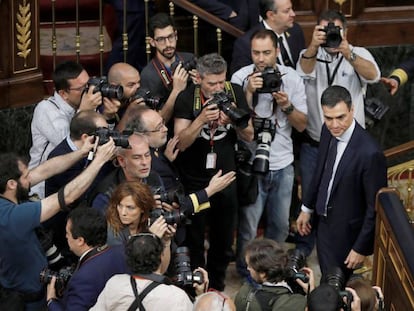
(86, 232)
(21, 255)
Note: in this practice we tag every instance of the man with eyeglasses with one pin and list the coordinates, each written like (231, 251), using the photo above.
(51, 117)
(165, 75)
(324, 63)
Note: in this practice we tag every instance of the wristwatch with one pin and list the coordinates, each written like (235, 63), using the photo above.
(289, 109)
(352, 56)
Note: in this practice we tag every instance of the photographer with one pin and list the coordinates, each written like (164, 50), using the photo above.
(277, 96)
(206, 139)
(86, 232)
(326, 297)
(147, 287)
(269, 266)
(21, 255)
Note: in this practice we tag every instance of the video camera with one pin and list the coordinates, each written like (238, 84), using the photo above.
(107, 90)
(239, 117)
(120, 139)
(272, 80)
(296, 262)
(184, 276)
(62, 278)
(153, 102)
(333, 35)
(265, 130)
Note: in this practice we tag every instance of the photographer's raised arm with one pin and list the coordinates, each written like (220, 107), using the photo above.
(75, 188)
(59, 164)
(308, 60)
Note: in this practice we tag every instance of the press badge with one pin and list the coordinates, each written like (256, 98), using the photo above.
(211, 160)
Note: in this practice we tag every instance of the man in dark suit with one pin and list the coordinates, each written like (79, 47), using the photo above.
(86, 232)
(343, 195)
(278, 15)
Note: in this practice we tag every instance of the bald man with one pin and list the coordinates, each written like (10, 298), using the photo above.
(214, 301)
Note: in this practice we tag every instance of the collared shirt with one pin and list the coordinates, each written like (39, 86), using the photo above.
(343, 141)
(285, 43)
(281, 153)
(317, 81)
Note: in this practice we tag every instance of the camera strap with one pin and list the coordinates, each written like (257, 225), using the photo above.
(328, 73)
(137, 303)
(91, 254)
(163, 72)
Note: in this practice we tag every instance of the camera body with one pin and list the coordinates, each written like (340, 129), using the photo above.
(184, 276)
(107, 90)
(153, 102)
(375, 110)
(238, 116)
(333, 35)
(62, 278)
(336, 278)
(272, 80)
(296, 262)
(171, 217)
(265, 130)
(120, 139)
(188, 65)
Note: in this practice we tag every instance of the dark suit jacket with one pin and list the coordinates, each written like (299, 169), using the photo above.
(361, 172)
(242, 52)
(88, 281)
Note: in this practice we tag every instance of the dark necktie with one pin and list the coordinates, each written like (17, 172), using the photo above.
(321, 200)
(284, 53)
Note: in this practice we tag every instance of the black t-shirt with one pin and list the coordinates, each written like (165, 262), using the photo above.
(192, 162)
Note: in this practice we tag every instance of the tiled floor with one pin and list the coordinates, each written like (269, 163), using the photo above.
(234, 281)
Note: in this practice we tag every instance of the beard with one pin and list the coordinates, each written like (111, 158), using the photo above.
(22, 193)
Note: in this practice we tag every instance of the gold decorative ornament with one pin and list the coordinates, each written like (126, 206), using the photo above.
(24, 33)
(340, 2)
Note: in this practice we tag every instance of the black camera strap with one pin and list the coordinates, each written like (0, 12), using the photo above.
(328, 73)
(94, 252)
(157, 279)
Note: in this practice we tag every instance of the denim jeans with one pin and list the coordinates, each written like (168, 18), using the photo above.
(274, 198)
(308, 158)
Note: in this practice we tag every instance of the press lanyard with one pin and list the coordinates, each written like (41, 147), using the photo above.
(328, 73)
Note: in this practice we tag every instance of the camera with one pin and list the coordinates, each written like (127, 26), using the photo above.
(54, 257)
(188, 65)
(107, 90)
(375, 110)
(296, 261)
(265, 131)
(184, 276)
(272, 80)
(333, 36)
(62, 278)
(238, 116)
(153, 102)
(336, 278)
(171, 217)
(120, 139)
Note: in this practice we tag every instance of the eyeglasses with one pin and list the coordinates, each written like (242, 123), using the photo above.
(77, 89)
(171, 38)
(158, 128)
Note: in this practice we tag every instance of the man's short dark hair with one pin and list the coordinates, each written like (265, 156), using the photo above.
(211, 63)
(160, 21)
(9, 168)
(265, 33)
(90, 224)
(135, 122)
(143, 252)
(324, 298)
(65, 71)
(335, 94)
(331, 16)
(84, 122)
(266, 5)
(266, 256)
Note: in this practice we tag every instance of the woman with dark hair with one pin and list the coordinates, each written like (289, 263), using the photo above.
(129, 211)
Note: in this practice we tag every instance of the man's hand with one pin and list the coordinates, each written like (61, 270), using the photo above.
(356, 301)
(201, 288)
(302, 223)
(110, 107)
(171, 152)
(354, 260)
(180, 78)
(391, 84)
(88, 145)
(318, 37)
(343, 48)
(210, 112)
(219, 182)
(105, 152)
(254, 82)
(51, 290)
(90, 100)
(311, 283)
(282, 99)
